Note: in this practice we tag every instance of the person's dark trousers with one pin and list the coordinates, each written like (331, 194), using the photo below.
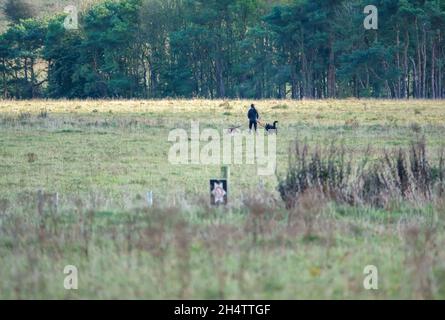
(253, 124)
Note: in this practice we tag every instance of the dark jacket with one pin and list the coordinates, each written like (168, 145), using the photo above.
(253, 114)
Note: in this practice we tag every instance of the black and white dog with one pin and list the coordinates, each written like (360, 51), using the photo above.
(272, 128)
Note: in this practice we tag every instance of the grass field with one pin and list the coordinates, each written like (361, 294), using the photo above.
(101, 157)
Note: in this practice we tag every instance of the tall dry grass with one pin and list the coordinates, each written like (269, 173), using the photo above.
(398, 174)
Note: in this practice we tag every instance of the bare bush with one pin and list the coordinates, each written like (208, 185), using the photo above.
(395, 174)
(326, 171)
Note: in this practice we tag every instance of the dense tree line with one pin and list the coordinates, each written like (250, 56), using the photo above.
(229, 49)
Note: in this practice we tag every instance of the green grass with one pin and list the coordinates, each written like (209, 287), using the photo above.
(78, 149)
(103, 156)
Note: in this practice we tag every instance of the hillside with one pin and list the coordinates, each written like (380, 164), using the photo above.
(44, 7)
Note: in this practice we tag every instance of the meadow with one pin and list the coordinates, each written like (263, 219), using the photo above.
(101, 157)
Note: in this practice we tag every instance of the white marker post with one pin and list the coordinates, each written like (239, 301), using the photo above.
(150, 199)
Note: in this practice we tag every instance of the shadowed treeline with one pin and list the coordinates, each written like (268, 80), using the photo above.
(227, 49)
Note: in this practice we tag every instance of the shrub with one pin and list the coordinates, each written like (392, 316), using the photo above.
(24, 116)
(43, 114)
(16, 10)
(395, 174)
(280, 107)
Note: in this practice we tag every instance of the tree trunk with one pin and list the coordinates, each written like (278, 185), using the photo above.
(415, 80)
(418, 78)
(398, 64)
(424, 55)
(221, 90)
(406, 65)
(331, 70)
(5, 84)
(433, 58)
(293, 81)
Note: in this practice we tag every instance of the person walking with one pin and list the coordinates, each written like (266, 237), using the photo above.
(253, 116)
